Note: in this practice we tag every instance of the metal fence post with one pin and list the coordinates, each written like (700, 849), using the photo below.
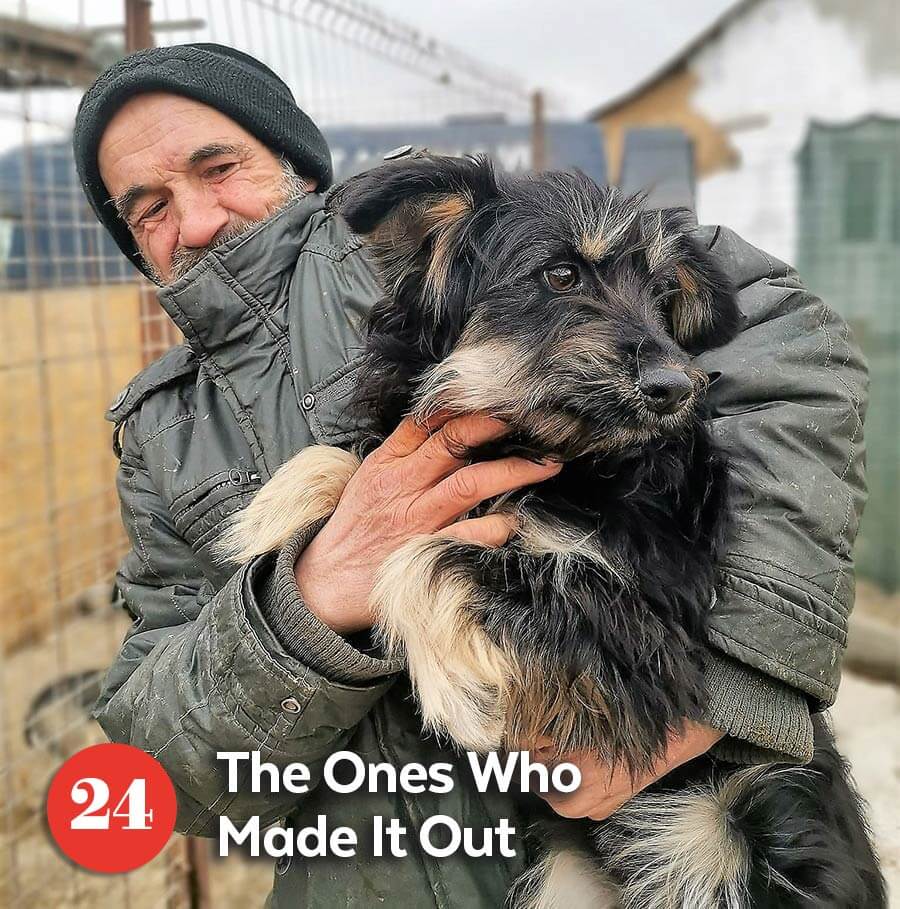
(138, 33)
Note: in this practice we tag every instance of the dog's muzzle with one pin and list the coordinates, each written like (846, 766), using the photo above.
(665, 390)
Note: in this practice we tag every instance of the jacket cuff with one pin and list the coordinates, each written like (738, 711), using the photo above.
(302, 634)
(274, 698)
(763, 719)
(778, 625)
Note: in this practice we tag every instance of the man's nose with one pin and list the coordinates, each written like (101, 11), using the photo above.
(200, 219)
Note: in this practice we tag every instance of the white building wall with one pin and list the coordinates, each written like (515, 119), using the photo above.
(771, 71)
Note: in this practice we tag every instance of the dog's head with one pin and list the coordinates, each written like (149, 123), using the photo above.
(555, 304)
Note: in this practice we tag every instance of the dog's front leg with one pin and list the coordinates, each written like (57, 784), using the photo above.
(425, 601)
(302, 491)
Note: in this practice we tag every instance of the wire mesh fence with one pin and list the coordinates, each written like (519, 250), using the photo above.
(77, 322)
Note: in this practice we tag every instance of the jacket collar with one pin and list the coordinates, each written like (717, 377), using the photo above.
(258, 262)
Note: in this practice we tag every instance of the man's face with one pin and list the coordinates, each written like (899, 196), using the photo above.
(185, 177)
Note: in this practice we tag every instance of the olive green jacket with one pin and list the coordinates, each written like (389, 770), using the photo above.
(272, 327)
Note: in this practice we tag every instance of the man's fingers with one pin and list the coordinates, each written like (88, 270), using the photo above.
(595, 798)
(471, 485)
(404, 440)
(443, 440)
(693, 740)
(411, 433)
(490, 530)
(434, 421)
(445, 450)
(605, 789)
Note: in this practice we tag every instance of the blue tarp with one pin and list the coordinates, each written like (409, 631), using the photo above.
(568, 145)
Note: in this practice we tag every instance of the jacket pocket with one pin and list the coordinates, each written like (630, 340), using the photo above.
(328, 403)
(199, 514)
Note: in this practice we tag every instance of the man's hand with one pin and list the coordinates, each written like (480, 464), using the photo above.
(418, 481)
(605, 789)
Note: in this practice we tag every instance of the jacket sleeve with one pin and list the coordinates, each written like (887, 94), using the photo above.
(202, 672)
(788, 401)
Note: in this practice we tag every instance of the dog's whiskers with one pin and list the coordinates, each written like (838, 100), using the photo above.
(637, 357)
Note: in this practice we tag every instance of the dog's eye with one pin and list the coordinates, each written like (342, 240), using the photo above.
(561, 277)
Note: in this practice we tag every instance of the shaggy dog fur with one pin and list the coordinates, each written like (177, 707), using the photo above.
(571, 313)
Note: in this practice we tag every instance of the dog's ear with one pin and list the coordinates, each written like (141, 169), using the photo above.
(413, 211)
(704, 311)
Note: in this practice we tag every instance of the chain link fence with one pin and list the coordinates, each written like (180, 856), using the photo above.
(77, 322)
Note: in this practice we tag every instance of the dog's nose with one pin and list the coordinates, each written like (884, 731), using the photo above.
(665, 390)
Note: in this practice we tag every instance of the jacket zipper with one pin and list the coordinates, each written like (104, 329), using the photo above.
(239, 477)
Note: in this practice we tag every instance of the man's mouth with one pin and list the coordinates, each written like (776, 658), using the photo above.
(186, 257)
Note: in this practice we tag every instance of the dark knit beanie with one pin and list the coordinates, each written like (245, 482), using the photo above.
(226, 79)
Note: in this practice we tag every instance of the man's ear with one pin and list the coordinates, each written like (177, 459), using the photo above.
(704, 310)
(413, 211)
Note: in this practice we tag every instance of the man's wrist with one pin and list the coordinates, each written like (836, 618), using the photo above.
(326, 597)
(314, 597)
(302, 634)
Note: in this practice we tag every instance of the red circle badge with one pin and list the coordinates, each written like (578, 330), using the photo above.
(111, 808)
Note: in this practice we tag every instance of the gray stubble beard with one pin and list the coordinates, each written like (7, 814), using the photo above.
(291, 188)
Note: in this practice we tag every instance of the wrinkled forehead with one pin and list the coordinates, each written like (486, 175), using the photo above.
(155, 133)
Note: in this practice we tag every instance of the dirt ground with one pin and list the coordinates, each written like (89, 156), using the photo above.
(866, 720)
(33, 874)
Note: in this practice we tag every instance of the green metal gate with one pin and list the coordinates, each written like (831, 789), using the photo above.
(849, 253)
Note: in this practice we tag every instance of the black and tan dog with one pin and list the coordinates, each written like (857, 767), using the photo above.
(570, 313)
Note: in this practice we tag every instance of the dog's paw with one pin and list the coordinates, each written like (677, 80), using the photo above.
(302, 491)
(423, 602)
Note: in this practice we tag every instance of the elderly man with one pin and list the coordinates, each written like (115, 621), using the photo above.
(200, 164)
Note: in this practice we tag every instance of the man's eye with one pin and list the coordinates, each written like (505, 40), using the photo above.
(152, 211)
(561, 277)
(219, 170)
